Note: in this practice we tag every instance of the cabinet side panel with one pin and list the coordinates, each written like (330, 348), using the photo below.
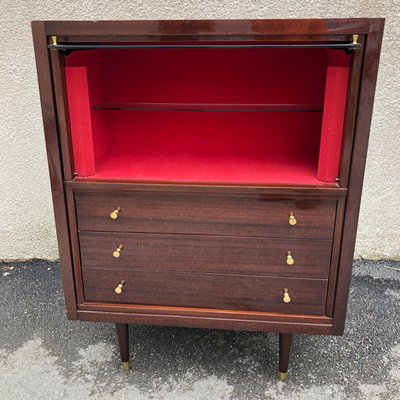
(361, 136)
(54, 161)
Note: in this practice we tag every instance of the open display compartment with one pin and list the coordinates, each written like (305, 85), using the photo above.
(268, 116)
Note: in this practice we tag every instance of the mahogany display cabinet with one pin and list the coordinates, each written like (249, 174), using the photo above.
(208, 174)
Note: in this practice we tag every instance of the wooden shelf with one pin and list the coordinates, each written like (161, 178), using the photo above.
(209, 107)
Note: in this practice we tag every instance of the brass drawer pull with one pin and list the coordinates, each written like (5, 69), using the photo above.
(114, 214)
(292, 219)
(118, 289)
(289, 258)
(286, 297)
(117, 251)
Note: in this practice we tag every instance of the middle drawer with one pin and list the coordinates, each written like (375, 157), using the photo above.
(203, 253)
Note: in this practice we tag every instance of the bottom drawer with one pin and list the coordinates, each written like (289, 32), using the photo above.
(234, 292)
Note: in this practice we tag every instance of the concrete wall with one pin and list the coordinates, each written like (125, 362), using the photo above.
(26, 219)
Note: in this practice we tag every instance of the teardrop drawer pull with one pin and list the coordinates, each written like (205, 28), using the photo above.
(292, 219)
(114, 214)
(118, 289)
(286, 297)
(289, 258)
(117, 251)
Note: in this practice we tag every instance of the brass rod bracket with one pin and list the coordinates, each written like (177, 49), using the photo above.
(53, 40)
(355, 39)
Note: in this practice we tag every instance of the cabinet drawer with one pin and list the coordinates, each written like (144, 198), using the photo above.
(205, 214)
(202, 253)
(232, 292)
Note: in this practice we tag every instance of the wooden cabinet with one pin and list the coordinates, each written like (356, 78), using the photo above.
(208, 173)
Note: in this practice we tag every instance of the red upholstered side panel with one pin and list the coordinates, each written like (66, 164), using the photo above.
(333, 118)
(80, 120)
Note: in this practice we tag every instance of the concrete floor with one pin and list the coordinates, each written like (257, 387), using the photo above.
(44, 356)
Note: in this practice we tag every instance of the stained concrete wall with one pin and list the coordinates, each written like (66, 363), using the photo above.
(26, 216)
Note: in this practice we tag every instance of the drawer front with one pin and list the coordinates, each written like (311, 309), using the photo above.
(202, 253)
(230, 292)
(205, 214)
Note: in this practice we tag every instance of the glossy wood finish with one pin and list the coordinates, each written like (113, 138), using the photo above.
(206, 214)
(75, 249)
(235, 292)
(333, 271)
(357, 167)
(241, 212)
(285, 343)
(123, 340)
(182, 320)
(60, 96)
(351, 114)
(298, 320)
(55, 164)
(204, 253)
(232, 29)
(273, 192)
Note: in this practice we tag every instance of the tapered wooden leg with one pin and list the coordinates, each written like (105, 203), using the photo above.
(285, 342)
(123, 340)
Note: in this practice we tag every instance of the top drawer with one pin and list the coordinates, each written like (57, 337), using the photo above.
(238, 215)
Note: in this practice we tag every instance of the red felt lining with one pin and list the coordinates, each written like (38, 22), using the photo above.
(80, 121)
(229, 169)
(168, 141)
(334, 112)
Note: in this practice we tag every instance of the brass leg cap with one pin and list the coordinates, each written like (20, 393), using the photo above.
(282, 376)
(125, 366)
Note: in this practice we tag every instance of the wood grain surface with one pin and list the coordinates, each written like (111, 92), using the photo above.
(206, 214)
(238, 292)
(204, 253)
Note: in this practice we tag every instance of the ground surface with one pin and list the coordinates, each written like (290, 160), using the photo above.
(44, 356)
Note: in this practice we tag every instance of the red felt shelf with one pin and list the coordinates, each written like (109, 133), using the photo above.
(209, 107)
(224, 169)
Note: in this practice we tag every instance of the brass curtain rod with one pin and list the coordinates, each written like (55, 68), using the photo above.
(345, 46)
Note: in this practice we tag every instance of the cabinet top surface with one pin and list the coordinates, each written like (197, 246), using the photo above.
(254, 27)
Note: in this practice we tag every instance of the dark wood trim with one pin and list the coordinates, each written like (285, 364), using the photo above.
(281, 192)
(189, 321)
(351, 114)
(361, 136)
(337, 235)
(204, 312)
(205, 28)
(60, 94)
(55, 163)
(75, 247)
